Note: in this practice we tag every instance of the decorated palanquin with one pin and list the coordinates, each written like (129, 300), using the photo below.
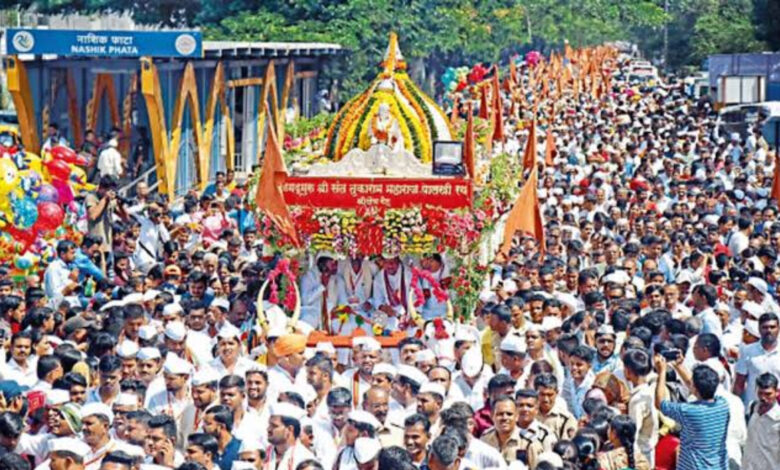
(369, 189)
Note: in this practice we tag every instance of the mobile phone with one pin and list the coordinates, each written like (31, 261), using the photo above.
(522, 455)
(672, 354)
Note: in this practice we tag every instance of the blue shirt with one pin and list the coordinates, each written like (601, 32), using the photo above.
(703, 437)
(225, 461)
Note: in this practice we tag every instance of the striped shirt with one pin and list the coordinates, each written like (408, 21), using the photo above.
(703, 437)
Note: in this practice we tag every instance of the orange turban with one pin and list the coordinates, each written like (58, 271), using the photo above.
(289, 344)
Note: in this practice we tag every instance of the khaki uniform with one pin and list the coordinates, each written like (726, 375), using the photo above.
(518, 443)
(543, 434)
(562, 424)
(390, 435)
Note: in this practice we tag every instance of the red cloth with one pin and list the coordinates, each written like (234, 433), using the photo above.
(666, 453)
(483, 421)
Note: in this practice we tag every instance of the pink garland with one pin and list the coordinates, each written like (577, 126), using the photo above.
(282, 268)
(438, 292)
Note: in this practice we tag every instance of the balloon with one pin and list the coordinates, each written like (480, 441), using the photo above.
(9, 177)
(23, 262)
(65, 194)
(61, 152)
(33, 162)
(31, 183)
(58, 169)
(25, 212)
(50, 216)
(48, 193)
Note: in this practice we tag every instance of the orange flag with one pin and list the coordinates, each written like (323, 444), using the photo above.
(483, 103)
(498, 110)
(468, 142)
(525, 215)
(529, 156)
(454, 115)
(776, 181)
(549, 146)
(512, 70)
(269, 197)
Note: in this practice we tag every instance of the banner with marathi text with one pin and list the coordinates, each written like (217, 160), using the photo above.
(447, 193)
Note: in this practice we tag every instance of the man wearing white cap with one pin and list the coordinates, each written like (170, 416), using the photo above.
(127, 352)
(229, 359)
(404, 393)
(204, 394)
(125, 403)
(322, 290)
(149, 372)
(430, 401)
(473, 377)
(513, 353)
(366, 453)
(284, 429)
(67, 453)
(359, 424)
(174, 338)
(96, 421)
(175, 400)
(359, 379)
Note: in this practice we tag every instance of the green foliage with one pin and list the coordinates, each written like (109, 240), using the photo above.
(302, 126)
(436, 34)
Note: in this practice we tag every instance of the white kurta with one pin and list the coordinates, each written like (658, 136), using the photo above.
(291, 458)
(383, 296)
(312, 292)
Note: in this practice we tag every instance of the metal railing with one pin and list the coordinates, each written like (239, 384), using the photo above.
(125, 190)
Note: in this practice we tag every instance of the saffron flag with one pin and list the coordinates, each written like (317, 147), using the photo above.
(483, 103)
(549, 146)
(454, 115)
(776, 181)
(498, 110)
(525, 216)
(529, 156)
(269, 197)
(468, 142)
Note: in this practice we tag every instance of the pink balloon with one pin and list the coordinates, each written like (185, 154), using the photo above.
(64, 191)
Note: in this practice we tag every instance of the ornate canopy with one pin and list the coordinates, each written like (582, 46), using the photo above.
(420, 120)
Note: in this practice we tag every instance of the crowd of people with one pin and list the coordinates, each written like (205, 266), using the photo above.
(644, 337)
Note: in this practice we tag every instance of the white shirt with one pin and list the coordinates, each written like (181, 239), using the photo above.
(200, 345)
(55, 278)
(738, 242)
(279, 379)
(736, 434)
(753, 361)
(484, 455)
(762, 449)
(110, 162)
(291, 458)
(475, 396)
(242, 365)
(25, 378)
(93, 459)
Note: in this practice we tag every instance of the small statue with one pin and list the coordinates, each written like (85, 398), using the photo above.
(385, 129)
